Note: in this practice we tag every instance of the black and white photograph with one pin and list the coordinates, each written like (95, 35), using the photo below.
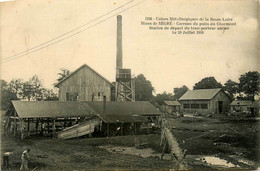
(129, 85)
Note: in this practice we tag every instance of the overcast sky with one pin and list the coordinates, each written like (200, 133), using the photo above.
(167, 60)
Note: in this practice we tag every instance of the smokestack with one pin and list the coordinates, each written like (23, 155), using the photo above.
(119, 53)
(104, 104)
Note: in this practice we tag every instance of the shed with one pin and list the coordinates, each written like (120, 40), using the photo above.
(254, 108)
(205, 101)
(171, 106)
(240, 106)
(84, 84)
(25, 117)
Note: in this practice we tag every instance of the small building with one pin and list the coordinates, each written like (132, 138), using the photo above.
(84, 84)
(240, 106)
(205, 101)
(171, 106)
(254, 108)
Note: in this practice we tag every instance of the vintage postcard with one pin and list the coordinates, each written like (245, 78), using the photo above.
(129, 84)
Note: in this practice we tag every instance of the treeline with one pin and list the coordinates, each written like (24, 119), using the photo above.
(29, 90)
(32, 89)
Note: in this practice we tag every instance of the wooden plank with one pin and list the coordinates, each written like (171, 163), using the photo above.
(14, 117)
(78, 130)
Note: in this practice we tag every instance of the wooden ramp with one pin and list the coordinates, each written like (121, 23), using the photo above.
(80, 129)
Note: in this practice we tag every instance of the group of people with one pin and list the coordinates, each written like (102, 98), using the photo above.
(24, 159)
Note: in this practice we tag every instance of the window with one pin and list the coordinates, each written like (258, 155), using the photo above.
(186, 106)
(195, 106)
(204, 106)
(71, 96)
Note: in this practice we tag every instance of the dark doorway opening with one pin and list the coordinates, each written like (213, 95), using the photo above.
(220, 106)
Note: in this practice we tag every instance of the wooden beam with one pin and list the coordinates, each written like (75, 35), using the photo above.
(53, 127)
(14, 127)
(15, 117)
(121, 129)
(28, 126)
(37, 125)
(48, 125)
(135, 127)
(108, 129)
(21, 125)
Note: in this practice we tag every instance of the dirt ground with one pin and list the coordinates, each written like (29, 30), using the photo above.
(233, 139)
(230, 139)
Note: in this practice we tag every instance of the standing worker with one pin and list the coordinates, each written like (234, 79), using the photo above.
(25, 160)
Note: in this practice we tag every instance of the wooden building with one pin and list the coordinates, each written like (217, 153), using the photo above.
(242, 106)
(84, 84)
(254, 108)
(171, 106)
(205, 101)
(69, 119)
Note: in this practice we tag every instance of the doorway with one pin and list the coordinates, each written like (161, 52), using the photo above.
(220, 106)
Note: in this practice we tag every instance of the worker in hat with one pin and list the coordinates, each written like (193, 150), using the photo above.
(25, 160)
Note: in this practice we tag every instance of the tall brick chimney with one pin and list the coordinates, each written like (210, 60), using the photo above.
(119, 53)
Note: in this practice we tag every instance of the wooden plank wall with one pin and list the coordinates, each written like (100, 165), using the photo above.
(85, 82)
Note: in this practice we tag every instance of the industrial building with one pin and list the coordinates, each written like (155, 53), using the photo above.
(205, 101)
(88, 104)
(84, 84)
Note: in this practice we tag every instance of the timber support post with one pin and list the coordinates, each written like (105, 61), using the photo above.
(108, 129)
(21, 125)
(14, 127)
(48, 125)
(37, 125)
(121, 129)
(28, 125)
(53, 127)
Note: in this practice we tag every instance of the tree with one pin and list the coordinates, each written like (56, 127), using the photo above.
(160, 98)
(63, 73)
(179, 91)
(207, 83)
(33, 89)
(143, 88)
(249, 84)
(231, 87)
(50, 95)
(6, 95)
(16, 86)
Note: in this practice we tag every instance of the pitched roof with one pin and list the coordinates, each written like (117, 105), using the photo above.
(125, 108)
(40, 109)
(84, 65)
(201, 94)
(241, 103)
(172, 103)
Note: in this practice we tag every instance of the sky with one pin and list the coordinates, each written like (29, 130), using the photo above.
(166, 59)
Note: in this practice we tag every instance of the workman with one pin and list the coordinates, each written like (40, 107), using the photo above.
(25, 160)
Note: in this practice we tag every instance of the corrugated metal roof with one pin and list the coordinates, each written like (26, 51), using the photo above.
(85, 65)
(123, 118)
(125, 108)
(172, 103)
(241, 103)
(201, 94)
(38, 109)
